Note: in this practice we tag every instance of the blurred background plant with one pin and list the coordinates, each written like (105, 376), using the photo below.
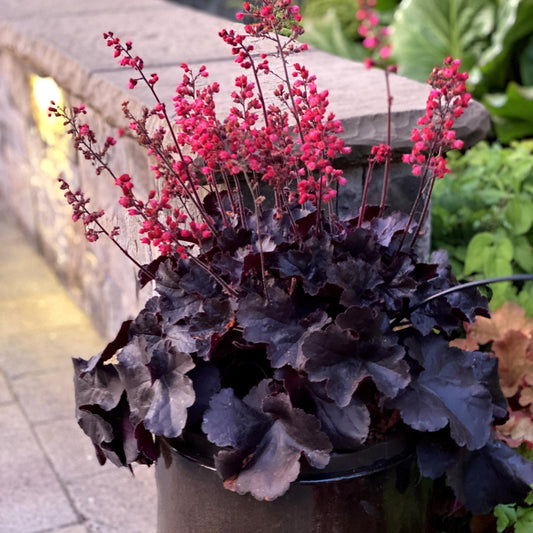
(493, 39)
(483, 217)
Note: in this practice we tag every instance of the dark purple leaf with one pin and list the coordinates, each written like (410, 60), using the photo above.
(149, 272)
(266, 473)
(384, 228)
(436, 452)
(357, 279)
(308, 265)
(399, 282)
(173, 394)
(231, 422)
(229, 266)
(158, 390)
(268, 467)
(491, 475)
(211, 324)
(206, 383)
(346, 427)
(486, 371)
(96, 385)
(448, 312)
(356, 347)
(279, 323)
(446, 392)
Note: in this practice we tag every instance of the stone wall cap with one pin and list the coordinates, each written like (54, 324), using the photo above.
(63, 39)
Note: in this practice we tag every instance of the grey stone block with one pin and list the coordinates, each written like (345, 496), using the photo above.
(32, 499)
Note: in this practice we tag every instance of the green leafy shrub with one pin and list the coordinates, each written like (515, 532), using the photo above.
(483, 216)
(515, 516)
(494, 40)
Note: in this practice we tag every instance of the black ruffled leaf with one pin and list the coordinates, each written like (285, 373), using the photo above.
(357, 279)
(346, 427)
(308, 265)
(231, 422)
(205, 379)
(491, 475)
(268, 472)
(268, 435)
(356, 347)
(279, 323)
(486, 371)
(384, 228)
(447, 312)
(446, 392)
(152, 374)
(398, 282)
(96, 384)
(436, 452)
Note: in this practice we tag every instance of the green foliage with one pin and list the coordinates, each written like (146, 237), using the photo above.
(483, 216)
(512, 112)
(493, 39)
(516, 516)
(514, 23)
(326, 32)
(331, 25)
(344, 15)
(440, 28)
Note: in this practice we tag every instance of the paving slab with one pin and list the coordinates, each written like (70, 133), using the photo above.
(69, 450)
(46, 396)
(5, 393)
(32, 500)
(134, 511)
(71, 529)
(55, 349)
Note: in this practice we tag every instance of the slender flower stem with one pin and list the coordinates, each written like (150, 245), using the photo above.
(258, 232)
(389, 155)
(366, 186)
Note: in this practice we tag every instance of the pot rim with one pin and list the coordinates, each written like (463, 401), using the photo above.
(369, 459)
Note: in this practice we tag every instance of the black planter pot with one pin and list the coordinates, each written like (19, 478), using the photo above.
(375, 490)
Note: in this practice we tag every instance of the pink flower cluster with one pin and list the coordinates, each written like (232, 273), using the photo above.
(286, 142)
(90, 219)
(446, 103)
(375, 35)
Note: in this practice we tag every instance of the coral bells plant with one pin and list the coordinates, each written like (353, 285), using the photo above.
(279, 331)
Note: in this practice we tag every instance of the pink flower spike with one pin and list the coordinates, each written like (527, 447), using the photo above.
(370, 42)
(385, 52)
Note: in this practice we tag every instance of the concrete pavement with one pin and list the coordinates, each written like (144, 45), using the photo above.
(50, 480)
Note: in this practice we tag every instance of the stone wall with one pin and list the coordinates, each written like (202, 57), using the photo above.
(62, 39)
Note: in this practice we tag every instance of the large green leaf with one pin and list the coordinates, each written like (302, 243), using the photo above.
(427, 31)
(512, 112)
(526, 63)
(514, 22)
(327, 34)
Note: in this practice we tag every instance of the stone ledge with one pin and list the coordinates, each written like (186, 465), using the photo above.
(62, 39)
(71, 50)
